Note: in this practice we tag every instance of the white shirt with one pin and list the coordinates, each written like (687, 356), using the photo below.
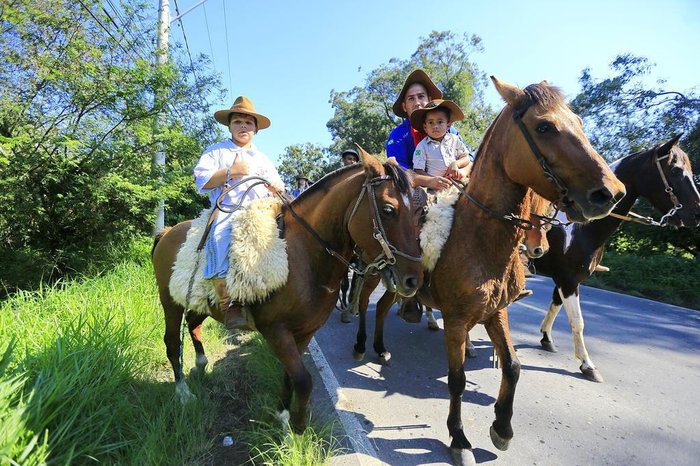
(435, 156)
(222, 155)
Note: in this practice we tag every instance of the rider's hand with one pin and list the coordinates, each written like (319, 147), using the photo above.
(452, 171)
(240, 168)
(438, 183)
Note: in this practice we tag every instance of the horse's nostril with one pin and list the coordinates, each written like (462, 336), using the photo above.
(538, 252)
(411, 283)
(601, 197)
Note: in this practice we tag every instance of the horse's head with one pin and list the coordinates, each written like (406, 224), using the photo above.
(671, 188)
(382, 226)
(555, 157)
(535, 243)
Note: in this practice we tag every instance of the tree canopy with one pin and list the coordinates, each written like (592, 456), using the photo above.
(78, 124)
(363, 115)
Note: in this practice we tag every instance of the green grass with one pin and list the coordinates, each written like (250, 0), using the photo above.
(663, 278)
(84, 379)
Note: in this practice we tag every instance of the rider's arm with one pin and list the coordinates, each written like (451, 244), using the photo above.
(238, 168)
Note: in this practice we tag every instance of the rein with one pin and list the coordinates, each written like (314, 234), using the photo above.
(386, 257)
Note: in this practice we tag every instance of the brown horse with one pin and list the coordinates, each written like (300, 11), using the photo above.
(537, 209)
(363, 207)
(535, 142)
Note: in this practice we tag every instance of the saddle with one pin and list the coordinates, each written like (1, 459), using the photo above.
(258, 262)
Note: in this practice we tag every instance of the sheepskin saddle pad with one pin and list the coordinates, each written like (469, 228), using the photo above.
(257, 258)
(437, 226)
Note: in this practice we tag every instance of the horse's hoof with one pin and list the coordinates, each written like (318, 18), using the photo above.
(345, 317)
(357, 356)
(462, 457)
(592, 374)
(433, 325)
(471, 352)
(498, 442)
(385, 358)
(548, 346)
(183, 393)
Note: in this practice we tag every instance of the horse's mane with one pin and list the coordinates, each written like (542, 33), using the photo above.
(397, 174)
(545, 94)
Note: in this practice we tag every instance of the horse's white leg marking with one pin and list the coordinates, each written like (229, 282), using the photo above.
(183, 392)
(432, 322)
(283, 417)
(201, 362)
(572, 305)
(548, 321)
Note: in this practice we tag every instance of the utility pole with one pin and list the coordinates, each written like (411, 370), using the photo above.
(159, 159)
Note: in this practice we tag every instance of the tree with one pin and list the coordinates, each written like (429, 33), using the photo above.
(363, 115)
(623, 115)
(308, 160)
(77, 115)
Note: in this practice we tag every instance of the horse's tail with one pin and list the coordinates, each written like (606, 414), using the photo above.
(158, 237)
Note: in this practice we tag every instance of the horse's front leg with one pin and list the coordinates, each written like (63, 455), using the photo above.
(383, 305)
(470, 348)
(368, 286)
(499, 332)
(296, 379)
(432, 321)
(547, 341)
(572, 306)
(194, 324)
(455, 337)
(173, 313)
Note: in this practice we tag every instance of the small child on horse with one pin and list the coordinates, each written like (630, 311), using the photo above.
(220, 165)
(440, 154)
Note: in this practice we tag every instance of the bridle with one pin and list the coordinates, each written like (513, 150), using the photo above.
(519, 222)
(633, 217)
(389, 252)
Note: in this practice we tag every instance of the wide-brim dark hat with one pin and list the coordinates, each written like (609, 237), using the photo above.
(419, 77)
(243, 105)
(418, 115)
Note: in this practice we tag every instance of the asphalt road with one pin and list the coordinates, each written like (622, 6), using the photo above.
(646, 413)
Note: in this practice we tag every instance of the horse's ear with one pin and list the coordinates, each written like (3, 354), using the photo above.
(513, 95)
(665, 147)
(373, 167)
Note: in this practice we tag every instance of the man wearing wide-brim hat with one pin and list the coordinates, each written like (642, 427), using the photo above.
(224, 164)
(303, 183)
(349, 157)
(417, 91)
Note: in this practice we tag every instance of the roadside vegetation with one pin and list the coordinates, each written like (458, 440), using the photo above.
(84, 378)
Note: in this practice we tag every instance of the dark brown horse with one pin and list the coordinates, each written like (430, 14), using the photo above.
(663, 176)
(364, 208)
(536, 209)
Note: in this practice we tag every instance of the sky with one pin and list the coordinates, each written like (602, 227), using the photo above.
(287, 56)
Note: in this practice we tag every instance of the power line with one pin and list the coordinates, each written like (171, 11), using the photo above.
(228, 53)
(103, 27)
(211, 48)
(187, 47)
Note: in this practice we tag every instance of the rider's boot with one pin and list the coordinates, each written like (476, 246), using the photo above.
(601, 268)
(231, 310)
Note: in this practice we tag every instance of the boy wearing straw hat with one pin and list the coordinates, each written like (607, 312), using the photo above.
(224, 164)
(440, 154)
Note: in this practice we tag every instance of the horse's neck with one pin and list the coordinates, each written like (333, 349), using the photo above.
(491, 187)
(325, 211)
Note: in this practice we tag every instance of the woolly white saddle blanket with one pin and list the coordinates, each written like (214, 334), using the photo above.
(437, 226)
(257, 258)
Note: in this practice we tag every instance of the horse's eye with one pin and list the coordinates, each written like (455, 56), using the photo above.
(389, 209)
(544, 127)
(676, 170)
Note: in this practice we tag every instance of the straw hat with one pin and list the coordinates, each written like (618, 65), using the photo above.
(419, 77)
(418, 115)
(242, 105)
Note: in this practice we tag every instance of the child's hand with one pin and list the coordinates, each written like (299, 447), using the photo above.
(453, 171)
(240, 168)
(438, 183)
